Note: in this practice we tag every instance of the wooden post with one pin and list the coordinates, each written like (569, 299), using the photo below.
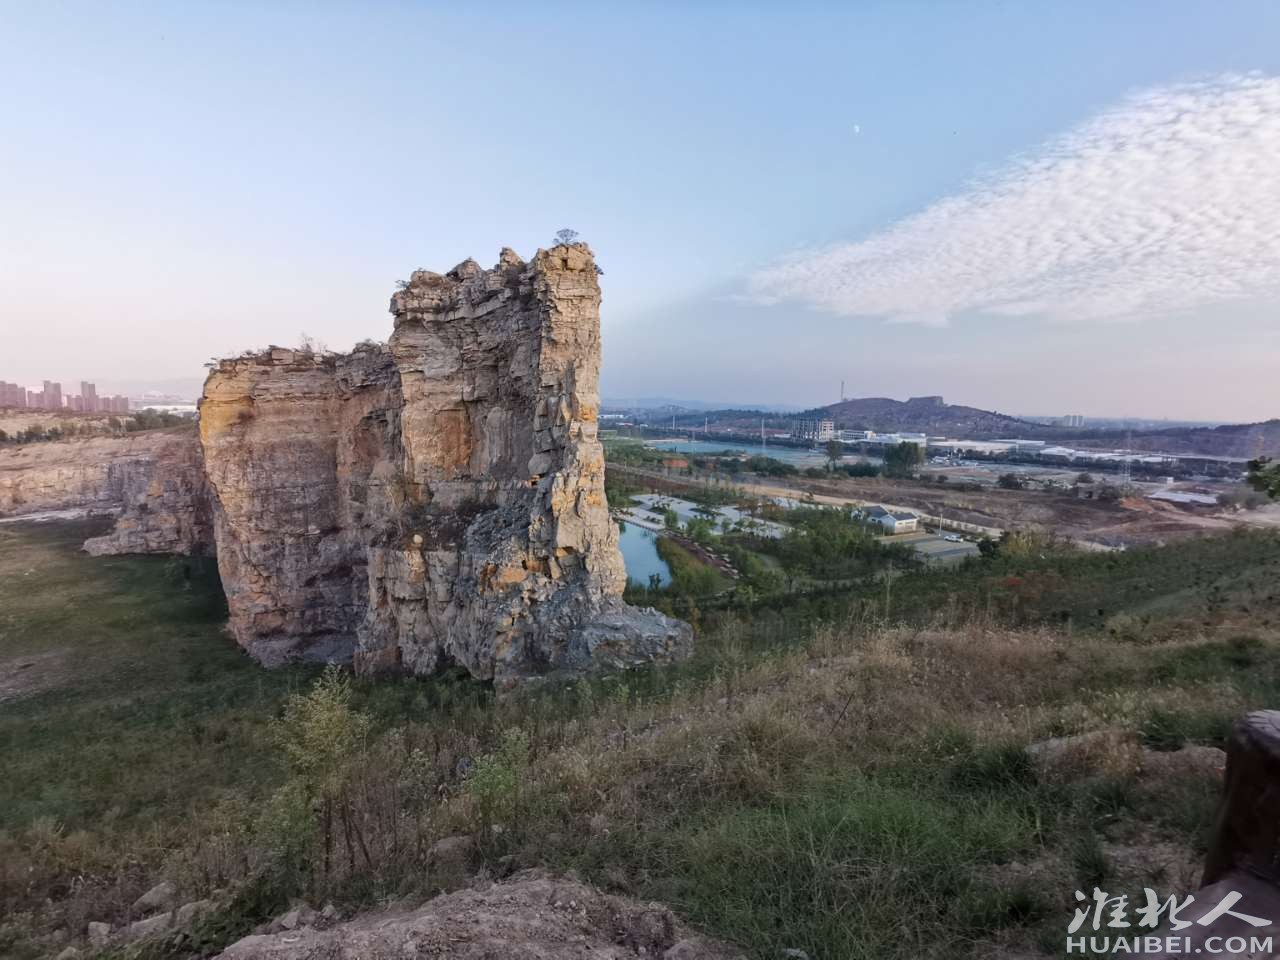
(1246, 834)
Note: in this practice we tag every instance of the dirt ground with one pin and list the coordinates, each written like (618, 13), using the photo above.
(1133, 520)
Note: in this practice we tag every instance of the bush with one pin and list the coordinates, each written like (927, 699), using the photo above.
(322, 738)
(496, 781)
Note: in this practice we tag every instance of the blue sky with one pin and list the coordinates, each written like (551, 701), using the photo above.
(768, 187)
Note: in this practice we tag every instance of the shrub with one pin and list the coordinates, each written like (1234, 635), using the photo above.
(498, 777)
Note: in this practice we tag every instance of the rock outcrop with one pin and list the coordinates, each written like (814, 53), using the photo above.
(436, 500)
(100, 474)
(301, 457)
(527, 918)
(164, 500)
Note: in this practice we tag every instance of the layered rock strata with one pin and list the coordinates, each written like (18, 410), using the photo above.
(99, 474)
(433, 501)
(164, 501)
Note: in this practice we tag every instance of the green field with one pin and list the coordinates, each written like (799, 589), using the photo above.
(819, 777)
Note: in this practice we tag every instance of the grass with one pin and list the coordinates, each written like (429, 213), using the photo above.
(812, 779)
(125, 675)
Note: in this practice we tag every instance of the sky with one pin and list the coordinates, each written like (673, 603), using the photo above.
(1039, 208)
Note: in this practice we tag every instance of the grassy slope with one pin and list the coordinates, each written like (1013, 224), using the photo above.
(843, 788)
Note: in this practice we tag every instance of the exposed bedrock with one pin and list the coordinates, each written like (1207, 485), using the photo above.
(96, 474)
(436, 500)
(164, 501)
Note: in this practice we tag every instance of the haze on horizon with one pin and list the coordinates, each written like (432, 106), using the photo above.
(1036, 210)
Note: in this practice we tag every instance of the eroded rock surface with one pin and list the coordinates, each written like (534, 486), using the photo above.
(301, 456)
(527, 918)
(95, 473)
(436, 500)
(164, 500)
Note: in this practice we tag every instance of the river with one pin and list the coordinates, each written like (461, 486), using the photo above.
(640, 555)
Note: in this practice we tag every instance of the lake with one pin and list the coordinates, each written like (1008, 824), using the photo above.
(640, 555)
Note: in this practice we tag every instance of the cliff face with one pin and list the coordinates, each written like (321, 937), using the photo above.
(164, 500)
(438, 500)
(101, 473)
(292, 443)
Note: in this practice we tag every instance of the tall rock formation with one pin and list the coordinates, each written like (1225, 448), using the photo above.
(437, 500)
(300, 452)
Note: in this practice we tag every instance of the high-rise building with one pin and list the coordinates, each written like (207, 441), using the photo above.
(12, 395)
(89, 396)
(52, 395)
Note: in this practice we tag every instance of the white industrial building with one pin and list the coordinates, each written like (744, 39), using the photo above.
(895, 521)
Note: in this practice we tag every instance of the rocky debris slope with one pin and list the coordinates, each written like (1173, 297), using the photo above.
(97, 473)
(527, 918)
(436, 500)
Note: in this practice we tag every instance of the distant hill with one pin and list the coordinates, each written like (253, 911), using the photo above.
(1241, 440)
(674, 405)
(929, 415)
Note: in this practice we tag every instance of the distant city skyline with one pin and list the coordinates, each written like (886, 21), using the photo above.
(914, 198)
(51, 397)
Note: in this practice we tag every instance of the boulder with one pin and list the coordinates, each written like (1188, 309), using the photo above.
(186, 914)
(158, 897)
(150, 927)
(530, 917)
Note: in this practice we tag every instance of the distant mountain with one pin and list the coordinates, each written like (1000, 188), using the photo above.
(1240, 440)
(669, 404)
(931, 415)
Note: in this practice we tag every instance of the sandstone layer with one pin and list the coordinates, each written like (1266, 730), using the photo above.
(164, 500)
(97, 474)
(437, 500)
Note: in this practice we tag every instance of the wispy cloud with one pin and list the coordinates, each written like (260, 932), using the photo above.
(1169, 200)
